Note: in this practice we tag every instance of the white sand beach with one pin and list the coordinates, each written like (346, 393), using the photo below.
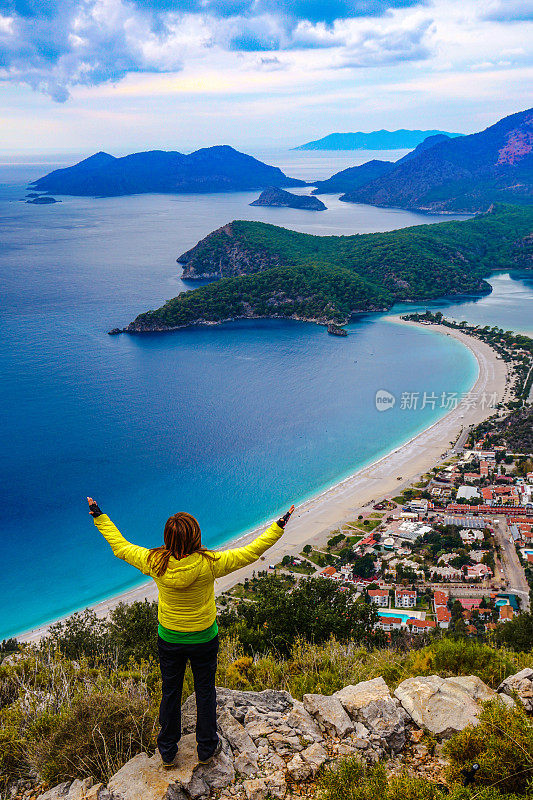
(325, 511)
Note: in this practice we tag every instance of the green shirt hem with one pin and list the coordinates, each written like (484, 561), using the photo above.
(192, 637)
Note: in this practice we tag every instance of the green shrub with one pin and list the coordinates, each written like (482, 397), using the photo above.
(350, 779)
(130, 632)
(12, 756)
(502, 745)
(449, 656)
(95, 736)
(411, 787)
(517, 633)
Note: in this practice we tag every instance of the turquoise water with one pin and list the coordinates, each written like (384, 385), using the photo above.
(387, 612)
(509, 306)
(230, 423)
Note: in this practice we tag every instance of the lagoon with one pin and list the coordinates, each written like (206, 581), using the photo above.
(230, 423)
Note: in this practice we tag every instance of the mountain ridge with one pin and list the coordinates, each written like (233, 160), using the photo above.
(464, 175)
(211, 169)
(383, 139)
(354, 177)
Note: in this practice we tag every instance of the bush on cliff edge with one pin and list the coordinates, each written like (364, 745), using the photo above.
(95, 736)
(351, 779)
(502, 745)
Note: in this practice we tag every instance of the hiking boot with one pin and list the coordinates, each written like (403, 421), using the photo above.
(213, 755)
(172, 764)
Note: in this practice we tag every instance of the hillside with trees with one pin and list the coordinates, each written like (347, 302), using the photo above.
(266, 271)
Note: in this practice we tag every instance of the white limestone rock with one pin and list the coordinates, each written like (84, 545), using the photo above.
(442, 705)
(521, 685)
(58, 792)
(353, 698)
(299, 769)
(329, 713)
(315, 755)
(385, 718)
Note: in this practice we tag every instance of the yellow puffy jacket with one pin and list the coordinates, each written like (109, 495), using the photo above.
(187, 589)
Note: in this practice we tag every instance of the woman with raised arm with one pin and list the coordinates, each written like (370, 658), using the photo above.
(185, 572)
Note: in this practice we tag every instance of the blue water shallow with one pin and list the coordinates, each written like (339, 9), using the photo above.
(231, 423)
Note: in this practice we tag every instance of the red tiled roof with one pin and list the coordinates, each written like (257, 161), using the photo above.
(422, 623)
(328, 571)
(443, 615)
(406, 592)
(377, 593)
(469, 602)
(440, 598)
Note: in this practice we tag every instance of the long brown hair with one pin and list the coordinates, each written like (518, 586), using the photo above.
(182, 538)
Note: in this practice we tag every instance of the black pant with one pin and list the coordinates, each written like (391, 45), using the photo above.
(173, 660)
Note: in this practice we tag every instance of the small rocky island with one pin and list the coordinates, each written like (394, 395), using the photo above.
(279, 197)
(336, 330)
(43, 200)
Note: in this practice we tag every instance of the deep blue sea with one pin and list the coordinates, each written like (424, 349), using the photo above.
(231, 423)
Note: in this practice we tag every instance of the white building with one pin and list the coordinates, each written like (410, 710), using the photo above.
(380, 597)
(469, 535)
(389, 623)
(405, 598)
(467, 492)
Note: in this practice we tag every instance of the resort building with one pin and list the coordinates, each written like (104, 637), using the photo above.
(421, 625)
(380, 597)
(405, 598)
(443, 617)
(506, 613)
(389, 623)
(469, 536)
(478, 571)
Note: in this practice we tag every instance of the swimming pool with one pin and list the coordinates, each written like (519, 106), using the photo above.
(404, 615)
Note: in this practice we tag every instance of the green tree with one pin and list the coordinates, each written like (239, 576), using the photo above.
(364, 567)
(81, 634)
(315, 610)
(517, 633)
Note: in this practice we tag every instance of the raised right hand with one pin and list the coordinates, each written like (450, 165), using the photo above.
(282, 521)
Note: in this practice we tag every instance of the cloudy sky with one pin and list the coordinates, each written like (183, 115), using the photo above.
(120, 75)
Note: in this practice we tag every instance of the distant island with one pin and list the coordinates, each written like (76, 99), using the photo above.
(375, 140)
(267, 271)
(347, 180)
(211, 169)
(279, 197)
(465, 174)
(43, 200)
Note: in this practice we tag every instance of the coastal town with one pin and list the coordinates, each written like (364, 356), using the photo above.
(452, 552)
(454, 549)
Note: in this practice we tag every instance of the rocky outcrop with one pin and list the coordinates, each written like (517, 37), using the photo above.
(376, 713)
(329, 713)
(224, 253)
(280, 198)
(519, 686)
(270, 740)
(443, 706)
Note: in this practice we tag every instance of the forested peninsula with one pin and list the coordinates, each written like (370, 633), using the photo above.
(265, 271)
